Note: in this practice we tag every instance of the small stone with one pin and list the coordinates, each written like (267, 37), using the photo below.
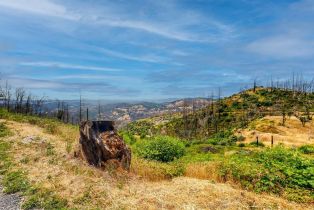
(28, 139)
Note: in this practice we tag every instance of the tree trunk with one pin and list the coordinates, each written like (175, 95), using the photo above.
(99, 143)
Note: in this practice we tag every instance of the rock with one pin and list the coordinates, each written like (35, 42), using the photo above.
(28, 139)
(9, 201)
(33, 139)
(100, 144)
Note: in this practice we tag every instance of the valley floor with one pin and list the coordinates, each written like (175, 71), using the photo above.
(85, 187)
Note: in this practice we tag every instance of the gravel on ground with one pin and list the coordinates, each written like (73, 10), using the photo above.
(9, 201)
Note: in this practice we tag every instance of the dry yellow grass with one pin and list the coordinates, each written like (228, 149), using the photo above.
(86, 187)
(292, 134)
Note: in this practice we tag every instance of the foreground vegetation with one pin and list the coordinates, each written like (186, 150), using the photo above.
(288, 172)
(222, 157)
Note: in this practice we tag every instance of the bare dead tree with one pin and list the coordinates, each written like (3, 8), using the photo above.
(28, 104)
(80, 111)
(8, 95)
(254, 85)
(38, 105)
(185, 117)
(19, 97)
(99, 110)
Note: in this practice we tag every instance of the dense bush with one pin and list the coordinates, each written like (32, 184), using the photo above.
(277, 170)
(224, 138)
(307, 149)
(161, 148)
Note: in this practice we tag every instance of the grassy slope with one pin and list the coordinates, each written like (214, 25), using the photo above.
(292, 134)
(50, 171)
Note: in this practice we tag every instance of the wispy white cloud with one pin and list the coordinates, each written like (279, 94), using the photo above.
(102, 88)
(30, 83)
(153, 28)
(98, 77)
(172, 28)
(67, 66)
(283, 47)
(40, 7)
(144, 58)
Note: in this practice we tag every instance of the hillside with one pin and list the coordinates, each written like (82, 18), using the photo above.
(226, 115)
(60, 181)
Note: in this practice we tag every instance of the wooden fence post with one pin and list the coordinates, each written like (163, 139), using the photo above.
(256, 140)
(272, 141)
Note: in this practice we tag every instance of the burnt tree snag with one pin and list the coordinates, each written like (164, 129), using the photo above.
(99, 144)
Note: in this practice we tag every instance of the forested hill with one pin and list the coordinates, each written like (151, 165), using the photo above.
(226, 114)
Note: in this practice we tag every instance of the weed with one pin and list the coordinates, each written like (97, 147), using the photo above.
(44, 199)
(15, 181)
(49, 149)
(85, 198)
(120, 185)
(51, 128)
(25, 160)
(307, 149)
(4, 131)
(4, 158)
(68, 147)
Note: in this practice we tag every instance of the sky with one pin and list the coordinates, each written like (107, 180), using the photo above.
(152, 50)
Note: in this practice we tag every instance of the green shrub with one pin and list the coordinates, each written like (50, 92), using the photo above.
(161, 148)
(223, 139)
(241, 138)
(128, 138)
(307, 149)
(277, 170)
(260, 144)
(241, 145)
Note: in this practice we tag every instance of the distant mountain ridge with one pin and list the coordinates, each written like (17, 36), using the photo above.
(124, 113)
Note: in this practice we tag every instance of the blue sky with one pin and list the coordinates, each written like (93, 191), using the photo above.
(151, 50)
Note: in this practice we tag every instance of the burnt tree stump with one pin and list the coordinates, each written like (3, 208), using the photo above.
(99, 144)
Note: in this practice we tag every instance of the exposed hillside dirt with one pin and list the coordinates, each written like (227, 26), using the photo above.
(76, 181)
(292, 134)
